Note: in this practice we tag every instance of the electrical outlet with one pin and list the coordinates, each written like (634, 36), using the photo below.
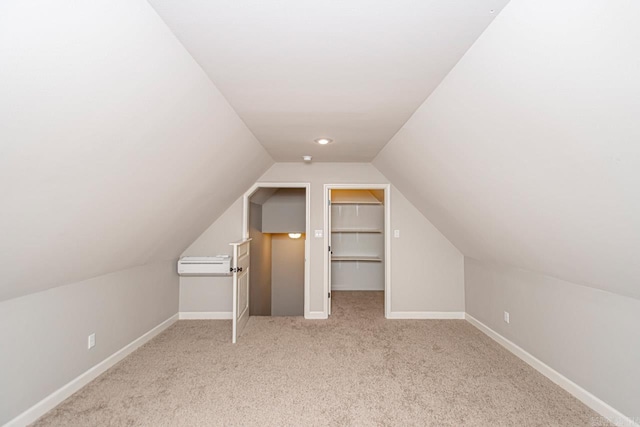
(506, 317)
(91, 342)
(396, 233)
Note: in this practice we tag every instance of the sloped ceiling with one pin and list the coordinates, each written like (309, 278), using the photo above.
(528, 153)
(350, 70)
(116, 149)
(262, 194)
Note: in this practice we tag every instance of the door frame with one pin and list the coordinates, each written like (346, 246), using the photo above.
(387, 238)
(307, 246)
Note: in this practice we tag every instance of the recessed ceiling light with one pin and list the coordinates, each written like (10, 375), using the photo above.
(324, 141)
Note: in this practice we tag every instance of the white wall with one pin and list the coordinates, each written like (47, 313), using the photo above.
(588, 335)
(211, 293)
(117, 150)
(44, 335)
(527, 154)
(427, 270)
(437, 288)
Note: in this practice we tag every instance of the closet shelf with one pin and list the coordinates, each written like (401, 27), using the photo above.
(356, 230)
(354, 197)
(356, 258)
(355, 202)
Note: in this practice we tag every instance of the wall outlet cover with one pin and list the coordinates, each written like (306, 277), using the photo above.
(91, 342)
(506, 317)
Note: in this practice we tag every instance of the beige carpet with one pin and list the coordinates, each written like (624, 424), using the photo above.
(356, 369)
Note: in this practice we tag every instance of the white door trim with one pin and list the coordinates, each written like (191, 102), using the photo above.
(387, 238)
(307, 245)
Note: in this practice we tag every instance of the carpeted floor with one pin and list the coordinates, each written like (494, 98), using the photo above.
(355, 369)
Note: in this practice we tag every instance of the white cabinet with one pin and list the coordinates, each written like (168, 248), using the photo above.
(357, 240)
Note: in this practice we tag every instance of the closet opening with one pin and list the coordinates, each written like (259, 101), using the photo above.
(277, 222)
(357, 228)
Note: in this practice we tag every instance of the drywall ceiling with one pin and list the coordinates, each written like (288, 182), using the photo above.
(351, 70)
(116, 149)
(528, 153)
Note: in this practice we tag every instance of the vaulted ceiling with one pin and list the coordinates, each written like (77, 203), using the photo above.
(350, 70)
(117, 149)
(526, 149)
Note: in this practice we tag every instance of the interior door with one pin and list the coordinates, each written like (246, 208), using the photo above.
(240, 270)
(330, 253)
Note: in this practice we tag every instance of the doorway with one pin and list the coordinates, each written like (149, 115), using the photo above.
(357, 225)
(276, 220)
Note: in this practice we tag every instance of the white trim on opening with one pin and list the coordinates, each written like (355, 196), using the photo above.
(387, 238)
(307, 245)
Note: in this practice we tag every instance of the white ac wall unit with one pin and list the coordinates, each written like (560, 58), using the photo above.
(204, 265)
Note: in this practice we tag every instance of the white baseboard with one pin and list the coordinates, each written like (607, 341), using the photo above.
(206, 315)
(58, 396)
(426, 315)
(316, 315)
(601, 407)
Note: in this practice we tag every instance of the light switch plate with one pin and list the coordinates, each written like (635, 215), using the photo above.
(396, 233)
(318, 233)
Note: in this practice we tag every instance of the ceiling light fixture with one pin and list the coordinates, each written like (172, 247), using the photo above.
(295, 235)
(306, 158)
(324, 141)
